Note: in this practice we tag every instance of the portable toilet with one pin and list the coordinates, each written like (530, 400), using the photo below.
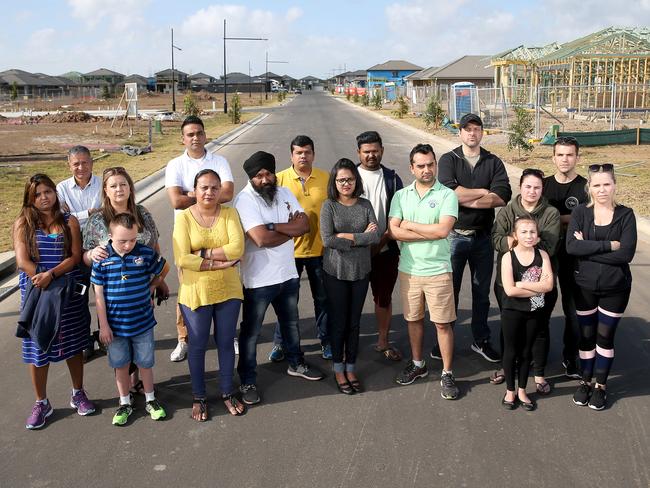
(463, 100)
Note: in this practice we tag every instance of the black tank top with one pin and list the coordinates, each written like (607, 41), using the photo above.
(530, 273)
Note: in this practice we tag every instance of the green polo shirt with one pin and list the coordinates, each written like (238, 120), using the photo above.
(424, 258)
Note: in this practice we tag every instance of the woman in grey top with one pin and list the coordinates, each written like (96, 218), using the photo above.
(348, 228)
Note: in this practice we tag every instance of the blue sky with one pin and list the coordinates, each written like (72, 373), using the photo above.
(315, 37)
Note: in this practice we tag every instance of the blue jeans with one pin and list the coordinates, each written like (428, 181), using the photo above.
(314, 267)
(477, 250)
(284, 299)
(199, 324)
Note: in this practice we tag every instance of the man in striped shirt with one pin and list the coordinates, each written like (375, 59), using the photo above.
(124, 282)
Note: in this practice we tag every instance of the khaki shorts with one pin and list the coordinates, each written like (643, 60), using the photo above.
(437, 291)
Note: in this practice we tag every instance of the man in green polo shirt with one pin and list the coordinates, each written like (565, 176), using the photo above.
(421, 216)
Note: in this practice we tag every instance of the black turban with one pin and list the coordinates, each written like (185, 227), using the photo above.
(259, 161)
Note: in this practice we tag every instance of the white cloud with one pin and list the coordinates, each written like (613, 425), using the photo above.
(294, 13)
(121, 14)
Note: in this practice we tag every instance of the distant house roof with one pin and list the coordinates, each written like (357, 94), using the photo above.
(395, 65)
(271, 76)
(470, 67)
(309, 78)
(24, 78)
(422, 75)
(199, 76)
(168, 72)
(72, 75)
(135, 78)
(103, 72)
(288, 78)
(238, 77)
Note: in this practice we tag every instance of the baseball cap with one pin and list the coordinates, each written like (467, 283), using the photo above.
(470, 118)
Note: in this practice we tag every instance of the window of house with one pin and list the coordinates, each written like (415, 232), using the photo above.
(395, 74)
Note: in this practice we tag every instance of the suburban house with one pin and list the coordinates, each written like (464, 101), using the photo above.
(103, 77)
(350, 81)
(31, 85)
(309, 82)
(389, 77)
(202, 81)
(164, 80)
(142, 82)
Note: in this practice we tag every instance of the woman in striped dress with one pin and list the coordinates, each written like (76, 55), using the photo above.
(48, 245)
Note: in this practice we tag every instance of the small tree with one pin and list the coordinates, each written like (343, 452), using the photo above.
(402, 107)
(433, 114)
(190, 107)
(355, 98)
(105, 93)
(520, 128)
(347, 95)
(365, 100)
(14, 91)
(235, 109)
(377, 100)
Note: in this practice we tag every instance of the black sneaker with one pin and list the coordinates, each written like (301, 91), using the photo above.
(598, 399)
(411, 373)
(484, 348)
(571, 369)
(449, 390)
(303, 370)
(582, 394)
(249, 394)
(435, 352)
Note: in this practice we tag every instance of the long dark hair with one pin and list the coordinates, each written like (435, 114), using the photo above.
(29, 219)
(344, 163)
(108, 212)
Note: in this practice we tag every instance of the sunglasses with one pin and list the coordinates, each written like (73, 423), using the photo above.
(595, 168)
(114, 169)
(535, 172)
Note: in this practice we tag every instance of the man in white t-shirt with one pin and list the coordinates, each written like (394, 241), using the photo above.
(179, 181)
(379, 186)
(271, 217)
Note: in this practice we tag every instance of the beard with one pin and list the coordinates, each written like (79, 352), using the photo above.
(267, 192)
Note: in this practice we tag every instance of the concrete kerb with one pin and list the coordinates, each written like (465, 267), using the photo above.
(145, 188)
(514, 172)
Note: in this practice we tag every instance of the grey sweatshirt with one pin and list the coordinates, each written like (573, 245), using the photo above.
(342, 258)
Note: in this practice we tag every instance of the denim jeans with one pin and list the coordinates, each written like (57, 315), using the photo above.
(477, 250)
(314, 267)
(284, 299)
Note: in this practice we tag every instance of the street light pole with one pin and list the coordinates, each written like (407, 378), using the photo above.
(266, 83)
(173, 80)
(225, 76)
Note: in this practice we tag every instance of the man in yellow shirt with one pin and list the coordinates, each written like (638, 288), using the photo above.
(309, 185)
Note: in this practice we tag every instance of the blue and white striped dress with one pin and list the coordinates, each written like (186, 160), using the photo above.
(74, 329)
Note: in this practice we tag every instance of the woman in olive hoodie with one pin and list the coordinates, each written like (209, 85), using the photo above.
(529, 202)
(602, 236)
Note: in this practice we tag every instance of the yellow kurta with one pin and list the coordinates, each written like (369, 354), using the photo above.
(311, 197)
(198, 288)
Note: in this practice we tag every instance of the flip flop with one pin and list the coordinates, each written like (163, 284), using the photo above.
(543, 388)
(391, 353)
(203, 409)
(497, 377)
(232, 403)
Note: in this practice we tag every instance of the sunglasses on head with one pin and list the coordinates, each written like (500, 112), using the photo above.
(595, 168)
(535, 172)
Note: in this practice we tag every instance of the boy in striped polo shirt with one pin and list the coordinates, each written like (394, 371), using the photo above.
(124, 282)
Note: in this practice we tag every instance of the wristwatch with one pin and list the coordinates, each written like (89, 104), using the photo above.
(270, 226)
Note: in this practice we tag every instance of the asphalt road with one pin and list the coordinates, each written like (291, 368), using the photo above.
(306, 433)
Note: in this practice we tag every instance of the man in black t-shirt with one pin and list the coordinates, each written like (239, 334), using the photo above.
(565, 190)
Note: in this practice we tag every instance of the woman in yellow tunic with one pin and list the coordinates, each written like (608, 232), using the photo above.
(208, 243)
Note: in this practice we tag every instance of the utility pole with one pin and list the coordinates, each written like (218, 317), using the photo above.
(266, 83)
(225, 76)
(173, 80)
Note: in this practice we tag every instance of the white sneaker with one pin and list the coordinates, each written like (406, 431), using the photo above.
(179, 353)
(236, 346)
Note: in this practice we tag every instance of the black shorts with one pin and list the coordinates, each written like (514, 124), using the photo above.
(615, 302)
(383, 275)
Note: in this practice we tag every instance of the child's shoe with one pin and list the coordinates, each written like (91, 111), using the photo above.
(122, 414)
(155, 410)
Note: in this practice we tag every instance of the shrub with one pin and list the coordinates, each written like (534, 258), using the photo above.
(365, 100)
(433, 114)
(402, 107)
(520, 128)
(190, 107)
(377, 100)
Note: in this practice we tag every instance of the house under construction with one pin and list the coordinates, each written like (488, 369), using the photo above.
(608, 68)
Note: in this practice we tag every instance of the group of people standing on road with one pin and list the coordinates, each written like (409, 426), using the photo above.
(355, 228)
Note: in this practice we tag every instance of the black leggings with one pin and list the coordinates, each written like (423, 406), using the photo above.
(345, 302)
(519, 330)
(598, 316)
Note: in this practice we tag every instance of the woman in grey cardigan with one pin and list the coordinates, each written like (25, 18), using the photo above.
(348, 227)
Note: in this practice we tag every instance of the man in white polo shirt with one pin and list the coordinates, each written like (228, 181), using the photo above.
(81, 193)
(271, 217)
(179, 181)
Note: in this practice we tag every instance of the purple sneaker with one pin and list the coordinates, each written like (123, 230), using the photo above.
(40, 412)
(82, 404)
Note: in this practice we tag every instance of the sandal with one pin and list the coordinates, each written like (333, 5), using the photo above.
(497, 377)
(345, 387)
(356, 385)
(233, 405)
(391, 353)
(137, 389)
(199, 409)
(543, 388)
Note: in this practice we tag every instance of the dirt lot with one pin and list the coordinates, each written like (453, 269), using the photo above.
(633, 180)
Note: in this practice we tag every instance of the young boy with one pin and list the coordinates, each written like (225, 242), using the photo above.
(123, 283)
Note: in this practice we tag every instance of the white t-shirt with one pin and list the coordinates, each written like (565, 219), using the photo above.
(374, 189)
(265, 266)
(181, 171)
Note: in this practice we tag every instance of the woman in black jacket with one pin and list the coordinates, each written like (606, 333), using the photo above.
(602, 236)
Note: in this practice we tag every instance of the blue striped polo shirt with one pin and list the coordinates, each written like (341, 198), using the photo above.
(126, 288)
